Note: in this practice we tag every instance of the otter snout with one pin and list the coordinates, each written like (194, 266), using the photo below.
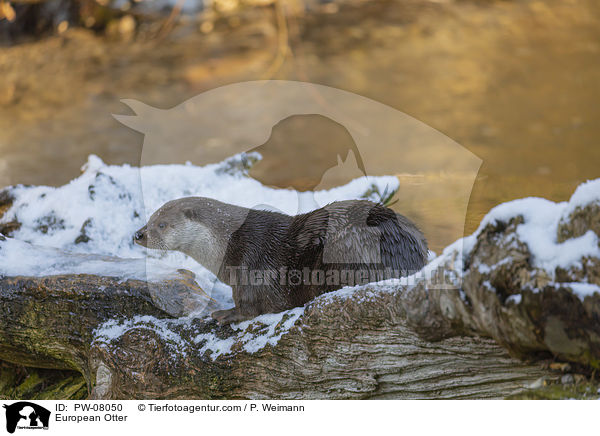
(140, 238)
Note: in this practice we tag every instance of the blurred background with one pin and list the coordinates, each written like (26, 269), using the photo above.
(516, 82)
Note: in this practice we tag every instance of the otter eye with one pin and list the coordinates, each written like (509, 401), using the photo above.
(162, 225)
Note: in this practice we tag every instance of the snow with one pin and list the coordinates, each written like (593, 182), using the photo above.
(583, 290)
(486, 269)
(114, 329)
(253, 335)
(515, 298)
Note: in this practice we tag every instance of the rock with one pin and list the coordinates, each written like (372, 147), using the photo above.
(588, 271)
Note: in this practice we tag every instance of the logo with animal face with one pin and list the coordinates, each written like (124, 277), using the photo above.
(26, 415)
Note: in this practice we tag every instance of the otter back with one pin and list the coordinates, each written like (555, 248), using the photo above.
(275, 262)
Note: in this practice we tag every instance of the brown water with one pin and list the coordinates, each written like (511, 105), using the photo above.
(515, 82)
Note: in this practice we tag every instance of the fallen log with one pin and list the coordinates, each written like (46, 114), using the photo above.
(338, 347)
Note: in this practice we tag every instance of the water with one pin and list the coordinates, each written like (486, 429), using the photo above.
(516, 83)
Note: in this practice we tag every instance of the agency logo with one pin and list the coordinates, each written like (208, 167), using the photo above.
(316, 142)
(26, 415)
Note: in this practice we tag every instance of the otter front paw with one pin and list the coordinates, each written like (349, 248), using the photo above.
(228, 316)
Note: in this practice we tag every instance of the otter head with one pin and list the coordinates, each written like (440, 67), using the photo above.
(196, 226)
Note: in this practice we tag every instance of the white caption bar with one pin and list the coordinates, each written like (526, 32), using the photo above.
(297, 417)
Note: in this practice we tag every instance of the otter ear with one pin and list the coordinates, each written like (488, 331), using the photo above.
(191, 214)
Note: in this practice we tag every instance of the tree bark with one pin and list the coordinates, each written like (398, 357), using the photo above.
(340, 347)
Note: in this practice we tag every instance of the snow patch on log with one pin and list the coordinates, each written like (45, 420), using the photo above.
(248, 336)
(252, 335)
(114, 329)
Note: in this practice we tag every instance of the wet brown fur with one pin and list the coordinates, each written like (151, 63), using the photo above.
(272, 242)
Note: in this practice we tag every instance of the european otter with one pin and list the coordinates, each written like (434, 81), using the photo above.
(274, 261)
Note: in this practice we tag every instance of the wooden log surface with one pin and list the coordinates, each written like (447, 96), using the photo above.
(355, 346)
